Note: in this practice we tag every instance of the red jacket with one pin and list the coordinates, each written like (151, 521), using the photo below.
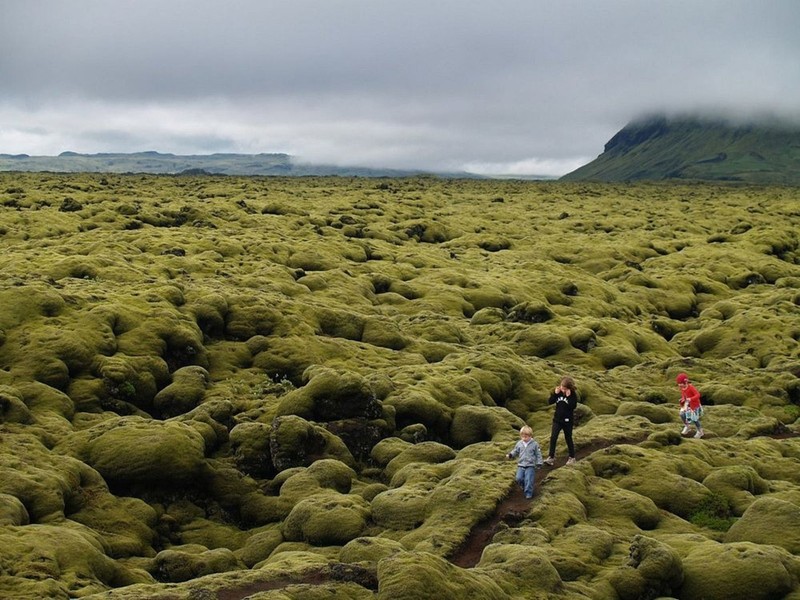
(690, 397)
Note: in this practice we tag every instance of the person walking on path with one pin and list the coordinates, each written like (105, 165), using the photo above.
(565, 397)
(529, 457)
(691, 407)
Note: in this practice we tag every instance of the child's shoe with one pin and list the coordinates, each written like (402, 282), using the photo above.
(549, 461)
(570, 461)
(685, 430)
(700, 433)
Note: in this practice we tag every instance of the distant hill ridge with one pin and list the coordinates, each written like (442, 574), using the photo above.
(193, 164)
(698, 148)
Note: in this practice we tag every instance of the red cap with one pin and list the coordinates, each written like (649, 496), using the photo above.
(681, 378)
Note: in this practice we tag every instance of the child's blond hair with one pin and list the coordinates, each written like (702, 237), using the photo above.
(525, 429)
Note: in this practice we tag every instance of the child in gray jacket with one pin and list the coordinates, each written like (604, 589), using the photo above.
(529, 457)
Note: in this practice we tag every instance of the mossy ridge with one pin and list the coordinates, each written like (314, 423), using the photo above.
(422, 288)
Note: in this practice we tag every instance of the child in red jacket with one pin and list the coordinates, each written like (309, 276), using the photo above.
(691, 408)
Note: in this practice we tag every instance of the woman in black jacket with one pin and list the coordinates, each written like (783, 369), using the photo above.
(565, 397)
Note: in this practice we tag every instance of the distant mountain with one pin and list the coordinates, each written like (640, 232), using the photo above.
(696, 148)
(212, 164)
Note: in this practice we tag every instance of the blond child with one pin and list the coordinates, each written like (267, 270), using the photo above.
(529, 457)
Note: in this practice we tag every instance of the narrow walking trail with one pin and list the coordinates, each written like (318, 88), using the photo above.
(514, 508)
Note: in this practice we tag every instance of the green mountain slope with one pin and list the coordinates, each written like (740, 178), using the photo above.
(691, 148)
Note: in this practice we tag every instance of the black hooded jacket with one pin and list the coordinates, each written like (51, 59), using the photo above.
(565, 405)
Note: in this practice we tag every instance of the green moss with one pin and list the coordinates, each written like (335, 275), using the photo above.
(369, 550)
(627, 509)
(245, 318)
(768, 521)
(312, 260)
(714, 512)
(12, 407)
(511, 565)
(128, 523)
(184, 393)
(424, 452)
(387, 449)
(131, 450)
(340, 323)
(530, 312)
(259, 545)
(473, 424)
(189, 562)
(487, 316)
(414, 406)
(654, 414)
(738, 484)
(43, 399)
(383, 333)
(41, 480)
(488, 297)
(737, 569)
(667, 483)
(616, 356)
(331, 394)
(418, 575)
(296, 442)
(57, 562)
(458, 390)
(12, 511)
(401, 508)
(251, 449)
(326, 518)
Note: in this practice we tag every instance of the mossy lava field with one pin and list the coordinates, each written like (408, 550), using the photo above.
(286, 388)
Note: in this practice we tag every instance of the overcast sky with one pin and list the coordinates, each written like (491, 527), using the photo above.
(496, 86)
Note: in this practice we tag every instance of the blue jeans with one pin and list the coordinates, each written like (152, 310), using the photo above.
(526, 478)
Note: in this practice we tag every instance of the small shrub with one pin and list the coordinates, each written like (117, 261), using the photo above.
(714, 512)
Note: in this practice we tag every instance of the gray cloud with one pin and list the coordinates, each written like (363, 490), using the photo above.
(503, 86)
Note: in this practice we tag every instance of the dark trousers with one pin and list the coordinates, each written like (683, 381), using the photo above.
(558, 426)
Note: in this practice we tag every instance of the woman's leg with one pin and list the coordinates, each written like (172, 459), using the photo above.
(554, 438)
(567, 427)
